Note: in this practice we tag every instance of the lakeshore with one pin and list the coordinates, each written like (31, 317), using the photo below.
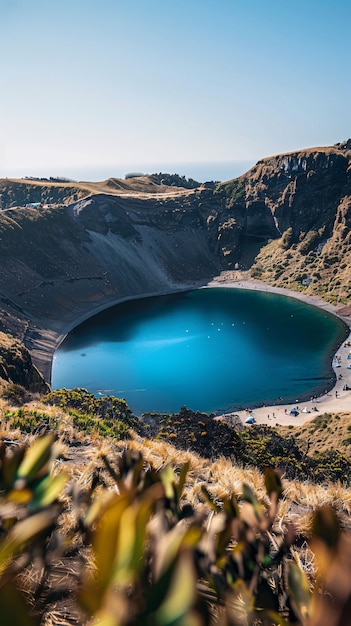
(334, 401)
(277, 413)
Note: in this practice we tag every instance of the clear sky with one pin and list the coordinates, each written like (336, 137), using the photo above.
(106, 86)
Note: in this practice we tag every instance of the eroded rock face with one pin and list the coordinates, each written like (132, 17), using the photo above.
(59, 263)
(302, 190)
(16, 366)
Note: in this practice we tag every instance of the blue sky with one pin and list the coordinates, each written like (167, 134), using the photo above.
(105, 86)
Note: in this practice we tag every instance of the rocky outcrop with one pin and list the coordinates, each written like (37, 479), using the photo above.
(302, 190)
(308, 195)
(16, 366)
(290, 216)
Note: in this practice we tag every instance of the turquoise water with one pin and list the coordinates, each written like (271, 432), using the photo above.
(209, 349)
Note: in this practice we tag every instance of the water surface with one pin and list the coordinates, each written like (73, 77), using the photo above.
(210, 349)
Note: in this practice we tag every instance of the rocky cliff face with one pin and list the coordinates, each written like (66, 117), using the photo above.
(301, 190)
(309, 197)
(289, 218)
(16, 366)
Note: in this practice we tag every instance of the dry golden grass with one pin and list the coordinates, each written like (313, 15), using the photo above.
(222, 479)
(81, 455)
(284, 268)
(323, 433)
(140, 185)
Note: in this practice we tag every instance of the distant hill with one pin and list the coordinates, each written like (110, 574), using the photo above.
(15, 192)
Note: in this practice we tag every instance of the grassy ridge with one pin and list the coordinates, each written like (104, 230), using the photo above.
(298, 452)
(190, 541)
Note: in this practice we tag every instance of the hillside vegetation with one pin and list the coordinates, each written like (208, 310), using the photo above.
(123, 530)
(300, 453)
(323, 433)
(303, 201)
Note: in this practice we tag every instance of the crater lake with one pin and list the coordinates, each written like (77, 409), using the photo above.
(211, 349)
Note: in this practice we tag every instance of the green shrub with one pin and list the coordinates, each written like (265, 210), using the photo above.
(14, 394)
(154, 560)
(286, 239)
(109, 415)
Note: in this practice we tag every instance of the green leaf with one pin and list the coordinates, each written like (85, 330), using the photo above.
(210, 501)
(299, 589)
(35, 458)
(249, 496)
(13, 608)
(132, 536)
(326, 527)
(231, 507)
(181, 593)
(171, 544)
(168, 480)
(48, 490)
(105, 546)
(273, 482)
(96, 508)
(23, 532)
(182, 479)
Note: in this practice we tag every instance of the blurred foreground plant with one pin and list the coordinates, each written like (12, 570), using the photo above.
(28, 515)
(154, 560)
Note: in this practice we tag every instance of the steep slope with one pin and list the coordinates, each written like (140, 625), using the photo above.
(308, 195)
(58, 264)
(16, 366)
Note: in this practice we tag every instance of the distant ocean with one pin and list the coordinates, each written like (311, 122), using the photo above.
(202, 172)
